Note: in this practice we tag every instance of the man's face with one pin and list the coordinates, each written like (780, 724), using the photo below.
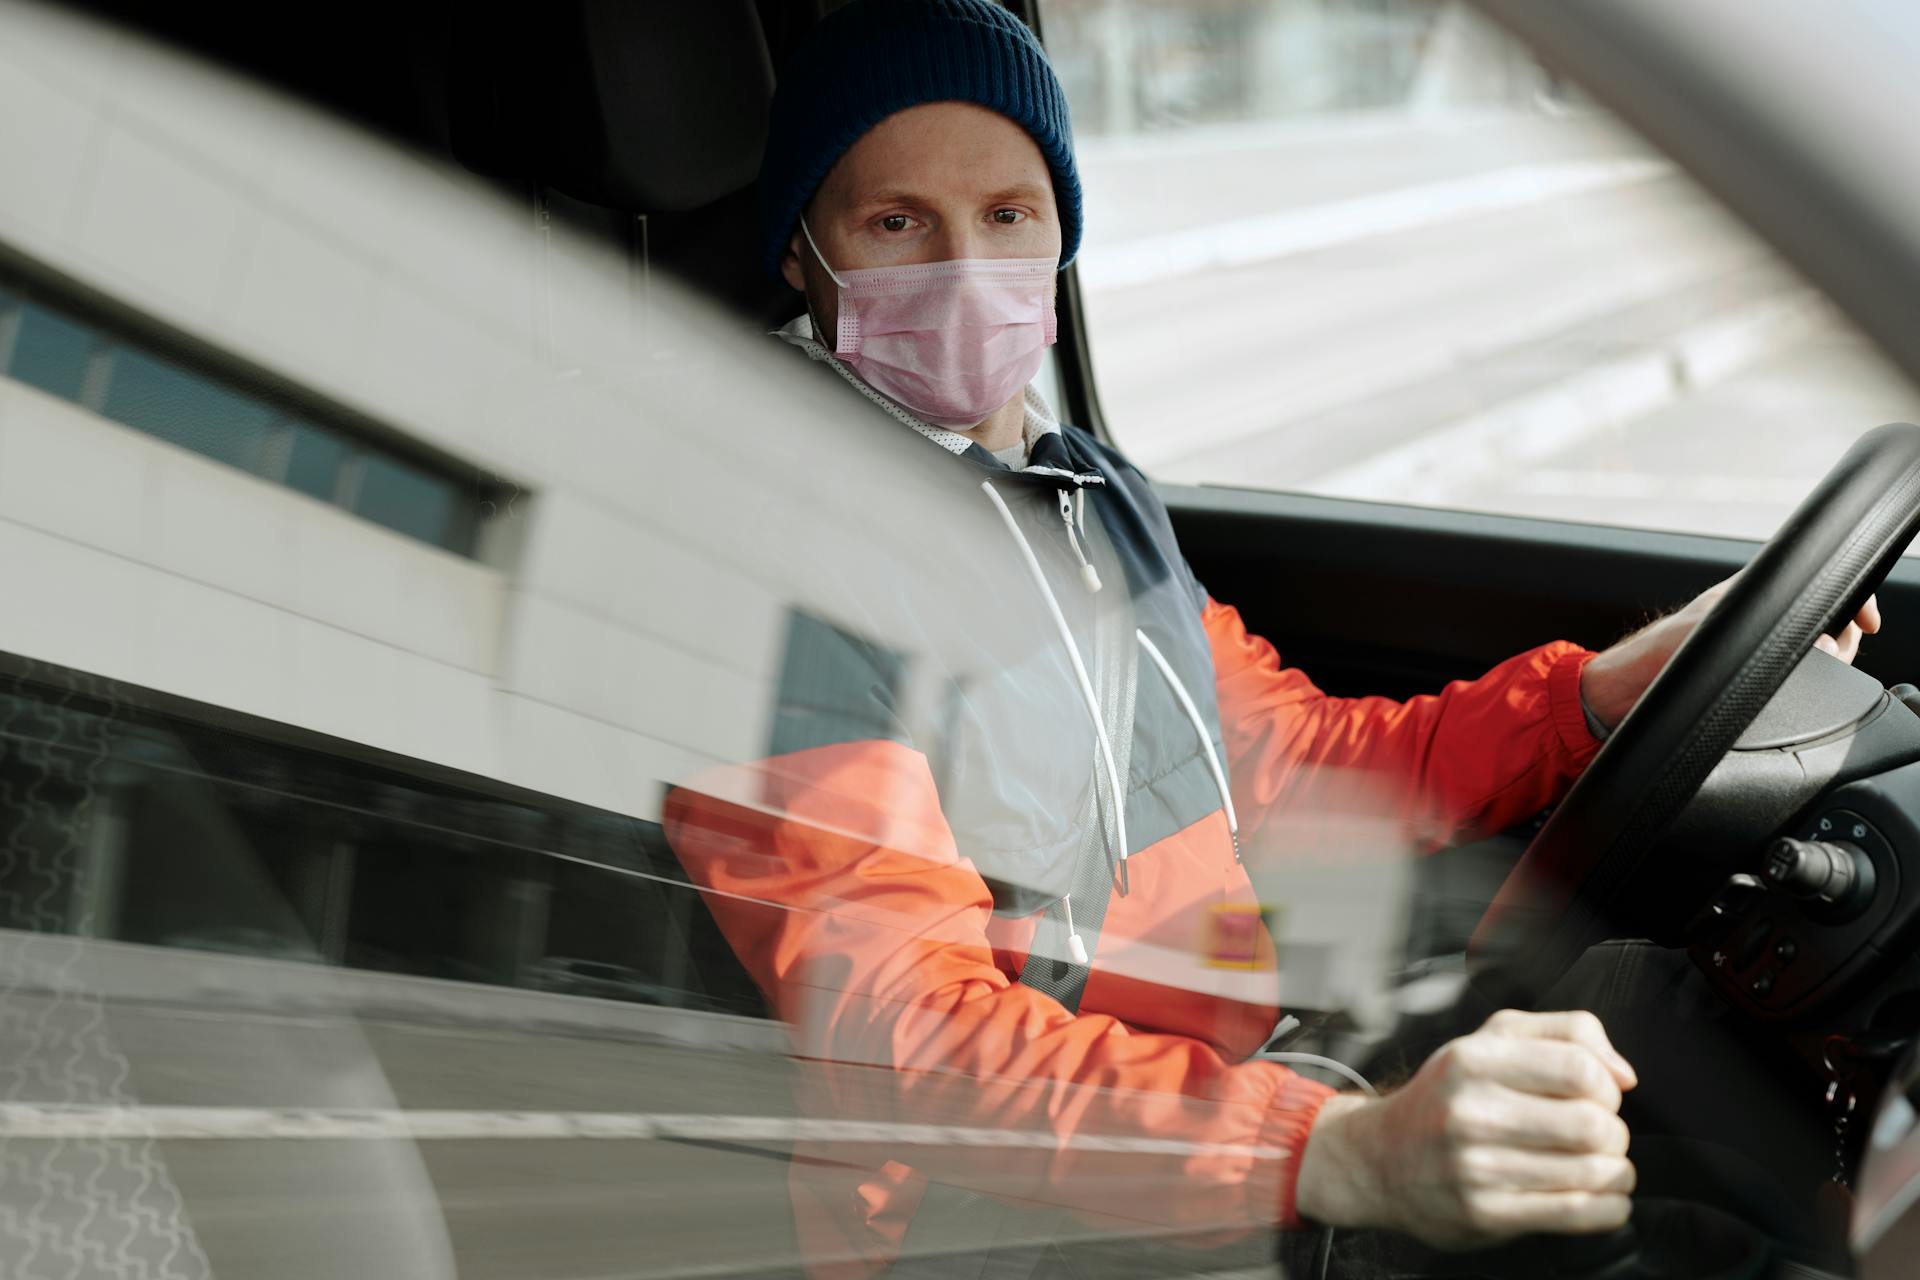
(935, 182)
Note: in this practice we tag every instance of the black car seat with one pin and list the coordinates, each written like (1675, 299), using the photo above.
(642, 122)
(637, 121)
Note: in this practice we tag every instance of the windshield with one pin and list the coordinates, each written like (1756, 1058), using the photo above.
(1497, 298)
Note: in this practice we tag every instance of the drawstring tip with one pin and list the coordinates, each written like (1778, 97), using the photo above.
(1090, 576)
(1075, 947)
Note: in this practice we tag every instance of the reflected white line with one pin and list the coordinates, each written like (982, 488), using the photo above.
(59, 1120)
(1244, 241)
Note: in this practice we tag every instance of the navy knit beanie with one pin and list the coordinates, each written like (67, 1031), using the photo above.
(871, 58)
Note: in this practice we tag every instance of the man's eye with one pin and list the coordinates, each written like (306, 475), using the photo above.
(895, 222)
(1008, 217)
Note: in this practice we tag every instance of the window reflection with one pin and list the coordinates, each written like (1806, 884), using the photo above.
(50, 352)
(129, 824)
(403, 498)
(66, 357)
(314, 459)
(166, 401)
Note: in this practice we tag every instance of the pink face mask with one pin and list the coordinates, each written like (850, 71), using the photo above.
(950, 341)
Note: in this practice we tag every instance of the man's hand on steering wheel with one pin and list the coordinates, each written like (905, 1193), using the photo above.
(1616, 677)
(1510, 1130)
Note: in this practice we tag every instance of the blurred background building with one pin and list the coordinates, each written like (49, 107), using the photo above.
(1135, 66)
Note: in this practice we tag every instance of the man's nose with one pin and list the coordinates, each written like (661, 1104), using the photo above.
(958, 238)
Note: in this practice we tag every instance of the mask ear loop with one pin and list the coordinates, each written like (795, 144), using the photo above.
(819, 334)
(831, 273)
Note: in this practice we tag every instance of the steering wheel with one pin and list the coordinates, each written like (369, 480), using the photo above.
(1810, 578)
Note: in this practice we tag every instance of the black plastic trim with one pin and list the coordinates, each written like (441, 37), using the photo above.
(1073, 349)
(1378, 598)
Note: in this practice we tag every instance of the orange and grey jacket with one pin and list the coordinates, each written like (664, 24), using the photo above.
(883, 870)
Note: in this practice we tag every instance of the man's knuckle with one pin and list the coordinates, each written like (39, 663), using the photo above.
(1477, 1166)
(1605, 1210)
(1590, 1077)
(1465, 1063)
(1461, 1122)
(1599, 1172)
(1565, 1066)
(1468, 1056)
(1595, 1128)
(1575, 1209)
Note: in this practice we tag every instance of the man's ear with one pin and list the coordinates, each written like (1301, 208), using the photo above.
(790, 264)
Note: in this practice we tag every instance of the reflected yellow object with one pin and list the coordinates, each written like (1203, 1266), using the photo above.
(1233, 935)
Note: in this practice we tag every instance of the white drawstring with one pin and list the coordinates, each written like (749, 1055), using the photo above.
(1319, 1060)
(1119, 831)
(1199, 727)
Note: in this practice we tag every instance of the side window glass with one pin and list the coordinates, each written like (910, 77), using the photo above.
(1374, 249)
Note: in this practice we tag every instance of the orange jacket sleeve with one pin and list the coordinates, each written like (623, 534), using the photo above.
(837, 882)
(1477, 757)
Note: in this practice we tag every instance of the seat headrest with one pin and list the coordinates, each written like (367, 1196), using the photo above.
(645, 107)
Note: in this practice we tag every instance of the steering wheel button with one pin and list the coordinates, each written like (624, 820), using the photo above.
(1785, 950)
(1751, 944)
(1763, 985)
(1737, 896)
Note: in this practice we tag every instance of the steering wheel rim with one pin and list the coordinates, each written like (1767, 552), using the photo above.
(1809, 578)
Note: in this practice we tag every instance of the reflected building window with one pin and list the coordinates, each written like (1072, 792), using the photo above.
(166, 401)
(389, 492)
(50, 352)
(122, 380)
(314, 461)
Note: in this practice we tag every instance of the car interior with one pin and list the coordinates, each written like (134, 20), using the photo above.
(1758, 803)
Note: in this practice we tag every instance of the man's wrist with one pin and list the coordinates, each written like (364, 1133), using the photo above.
(1599, 728)
(1339, 1183)
(1610, 684)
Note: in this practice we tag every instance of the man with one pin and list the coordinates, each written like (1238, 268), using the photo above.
(906, 895)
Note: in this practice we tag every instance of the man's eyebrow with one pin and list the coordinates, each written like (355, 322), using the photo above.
(891, 195)
(1018, 191)
(1025, 191)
